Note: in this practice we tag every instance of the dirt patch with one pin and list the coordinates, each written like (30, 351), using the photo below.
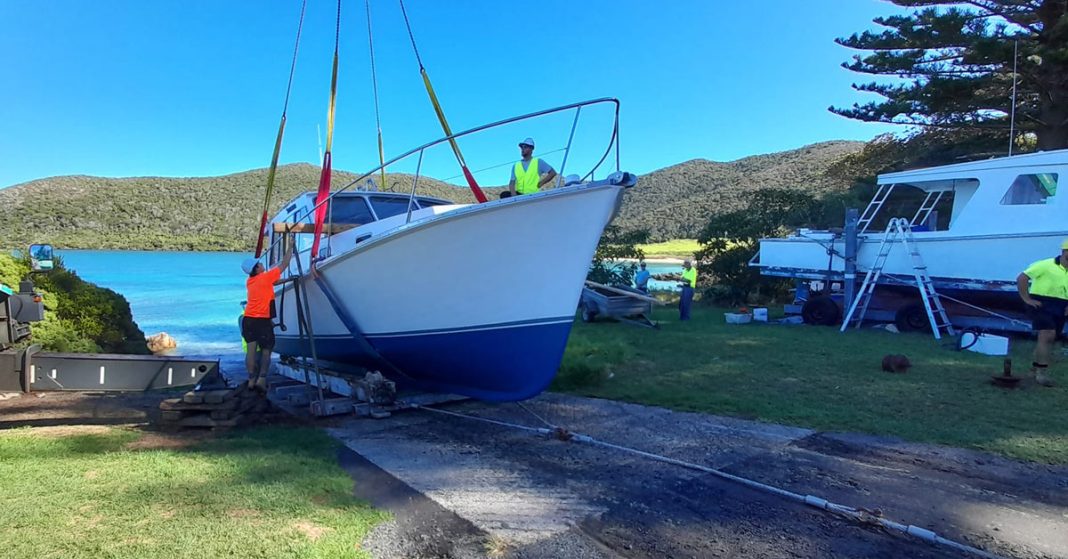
(92, 474)
(59, 431)
(310, 529)
(155, 440)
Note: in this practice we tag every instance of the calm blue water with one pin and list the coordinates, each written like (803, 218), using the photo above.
(193, 296)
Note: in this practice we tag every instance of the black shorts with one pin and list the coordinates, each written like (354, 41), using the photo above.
(1050, 316)
(259, 331)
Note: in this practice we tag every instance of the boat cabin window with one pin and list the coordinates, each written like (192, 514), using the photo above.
(425, 203)
(279, 243)
(389, 206)
(350, 210)
(1031, 189)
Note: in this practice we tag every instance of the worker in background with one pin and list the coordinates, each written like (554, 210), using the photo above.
(641, 279)
(257, 328)
(529, 174)
(1043, 286)
(689, 282)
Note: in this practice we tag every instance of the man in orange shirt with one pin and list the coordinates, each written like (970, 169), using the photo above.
(257, 328)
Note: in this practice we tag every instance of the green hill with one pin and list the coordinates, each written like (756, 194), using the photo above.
(157, 213)
(218, 213)
(676, 202)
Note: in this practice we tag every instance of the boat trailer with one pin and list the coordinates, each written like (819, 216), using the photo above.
(25, 368)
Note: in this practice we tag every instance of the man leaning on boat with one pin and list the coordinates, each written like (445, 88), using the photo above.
(1043, 286)
(531, 173)
(257, 326)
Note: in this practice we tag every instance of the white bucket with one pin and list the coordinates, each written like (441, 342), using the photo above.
(737, 318)
(987, 344)
(760, 314)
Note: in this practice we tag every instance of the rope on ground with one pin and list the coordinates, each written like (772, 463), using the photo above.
(278, 139)
(862, 516)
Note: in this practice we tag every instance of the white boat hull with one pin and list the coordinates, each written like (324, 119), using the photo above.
(976, 262)
(478, 300)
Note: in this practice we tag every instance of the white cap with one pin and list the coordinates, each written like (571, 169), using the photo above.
(248, 264)
(527, 142)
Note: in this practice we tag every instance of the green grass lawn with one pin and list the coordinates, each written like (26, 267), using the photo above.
(675, 248)
(267, 492)
(819, 378)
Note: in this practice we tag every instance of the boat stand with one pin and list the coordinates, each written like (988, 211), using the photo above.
(346, 390)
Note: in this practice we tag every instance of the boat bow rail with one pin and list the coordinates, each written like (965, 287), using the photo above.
(307, 212)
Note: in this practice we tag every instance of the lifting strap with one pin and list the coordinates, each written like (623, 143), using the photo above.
(374, 88)
(475, 189)
(324, 177)
(278, 140)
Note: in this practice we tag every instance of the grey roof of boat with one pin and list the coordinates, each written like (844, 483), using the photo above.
(972, 169)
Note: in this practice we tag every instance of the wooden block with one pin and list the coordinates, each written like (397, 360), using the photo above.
(221, 414)
(183, 406)
(217, 396)
(170, 404)
(193, 397)
(171, 415)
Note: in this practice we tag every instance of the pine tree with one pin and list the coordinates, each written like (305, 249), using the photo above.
(949, 64)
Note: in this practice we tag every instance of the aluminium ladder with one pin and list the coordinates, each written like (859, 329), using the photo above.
(900, 230)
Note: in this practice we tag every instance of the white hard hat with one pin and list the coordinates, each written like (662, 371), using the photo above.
(527, 142)
(248, 264)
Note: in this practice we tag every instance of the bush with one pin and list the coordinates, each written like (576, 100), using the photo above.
(615, 261)
(79, 316)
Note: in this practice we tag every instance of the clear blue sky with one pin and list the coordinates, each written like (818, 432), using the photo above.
(195, 87)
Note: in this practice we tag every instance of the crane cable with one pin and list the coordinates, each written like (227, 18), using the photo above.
(278, 139)
(374, 87)
(475, 189)
(324, 178)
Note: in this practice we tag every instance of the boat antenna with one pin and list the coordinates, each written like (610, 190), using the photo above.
(278, 140)
(1012, 110)
(475, 189)
(324, 177)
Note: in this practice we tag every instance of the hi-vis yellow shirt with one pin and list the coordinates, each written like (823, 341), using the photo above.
(1049, 278)
(690, 276)
(526, 180)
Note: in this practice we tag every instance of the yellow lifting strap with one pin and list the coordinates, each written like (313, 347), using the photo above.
(475, 189)
(278, 140)
(374, 88)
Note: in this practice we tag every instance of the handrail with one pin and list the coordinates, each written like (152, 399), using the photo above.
(613, 141)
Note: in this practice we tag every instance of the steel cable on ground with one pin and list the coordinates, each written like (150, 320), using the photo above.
(278, 140)
(862, 516)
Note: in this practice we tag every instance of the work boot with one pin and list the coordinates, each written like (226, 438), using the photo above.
(1042, 378)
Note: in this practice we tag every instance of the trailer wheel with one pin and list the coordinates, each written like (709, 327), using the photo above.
(588, 314)
(912, 318)
(821, 311)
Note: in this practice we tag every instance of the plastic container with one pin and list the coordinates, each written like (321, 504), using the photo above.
(987, 344)
(760, 314)
(738, 318)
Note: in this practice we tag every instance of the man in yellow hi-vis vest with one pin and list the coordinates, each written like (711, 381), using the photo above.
(1043, 286)
(530, 173)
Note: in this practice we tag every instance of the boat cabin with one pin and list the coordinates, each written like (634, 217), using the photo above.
(357, 214)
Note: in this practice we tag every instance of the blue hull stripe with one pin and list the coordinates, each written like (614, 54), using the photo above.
(531, 322)
(497, 364)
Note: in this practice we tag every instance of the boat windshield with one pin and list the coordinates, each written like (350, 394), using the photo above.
(350, 210)
(389, 206)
